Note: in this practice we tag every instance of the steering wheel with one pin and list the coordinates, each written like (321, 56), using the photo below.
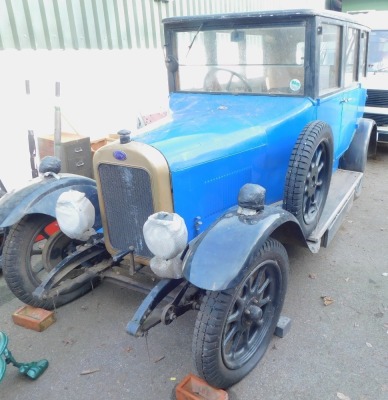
(211, 82)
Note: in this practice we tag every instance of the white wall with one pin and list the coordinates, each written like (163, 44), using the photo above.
(102, 91)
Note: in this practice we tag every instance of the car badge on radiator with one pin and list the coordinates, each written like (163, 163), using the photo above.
(119, 155)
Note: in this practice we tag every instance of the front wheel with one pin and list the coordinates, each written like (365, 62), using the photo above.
(33, 247)
(234, 327)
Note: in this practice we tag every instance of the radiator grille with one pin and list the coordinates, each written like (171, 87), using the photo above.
(127, 198)
(380, 119)
(377, 98)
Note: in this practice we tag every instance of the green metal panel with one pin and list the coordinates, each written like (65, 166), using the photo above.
(116, 24)
(102, 24)
(357, 5)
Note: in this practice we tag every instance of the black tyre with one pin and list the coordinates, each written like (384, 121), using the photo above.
(234, 327)
(309, 174)
(32, 248)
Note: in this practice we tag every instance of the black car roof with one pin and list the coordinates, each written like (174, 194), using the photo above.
(265, 15)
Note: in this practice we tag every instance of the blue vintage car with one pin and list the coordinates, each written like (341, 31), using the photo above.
(265, 145)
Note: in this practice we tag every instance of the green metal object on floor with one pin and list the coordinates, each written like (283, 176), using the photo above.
(33, 369)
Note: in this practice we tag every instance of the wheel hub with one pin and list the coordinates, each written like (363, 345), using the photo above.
(253, 313)
(53, 250)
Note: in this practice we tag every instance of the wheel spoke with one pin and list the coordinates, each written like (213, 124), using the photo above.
(313, 185)
(37, 267)
(236, 314)
(311, 210)
(230, 335)
(257, 280)
(264, 286)
(243, 346)
(250, 287)
(264, 301)
(240, 301)
(308, 176)
(320, 167)
(234, 317)
(306, 205)
(36, 252)
(236, 341)
(317, 156)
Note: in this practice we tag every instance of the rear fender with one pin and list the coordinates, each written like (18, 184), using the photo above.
(363, 145)
(218, 259)
(40, 196)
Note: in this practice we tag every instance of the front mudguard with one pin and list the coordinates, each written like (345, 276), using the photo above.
(40, 196)
(218, 259)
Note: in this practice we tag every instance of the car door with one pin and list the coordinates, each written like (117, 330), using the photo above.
(330, 104)
(339, 90)
(352, 93)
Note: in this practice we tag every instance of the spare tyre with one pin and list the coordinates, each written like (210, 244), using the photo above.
(309, 174)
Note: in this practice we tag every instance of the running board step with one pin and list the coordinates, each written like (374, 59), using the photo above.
(339, 201)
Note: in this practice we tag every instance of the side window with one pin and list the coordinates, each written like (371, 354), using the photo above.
(351, 56)
(329, 65)
(362, 59)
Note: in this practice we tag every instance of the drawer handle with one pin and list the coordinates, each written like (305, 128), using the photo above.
(80, 164)
(78, 150)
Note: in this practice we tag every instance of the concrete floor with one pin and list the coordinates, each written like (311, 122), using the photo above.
(339, 351)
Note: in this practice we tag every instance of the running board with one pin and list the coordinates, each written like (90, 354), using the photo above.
(339, 201)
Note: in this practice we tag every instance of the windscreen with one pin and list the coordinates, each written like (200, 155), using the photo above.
(378, 51)
(243, 60)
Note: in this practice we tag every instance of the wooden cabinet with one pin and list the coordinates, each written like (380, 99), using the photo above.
(76, 154)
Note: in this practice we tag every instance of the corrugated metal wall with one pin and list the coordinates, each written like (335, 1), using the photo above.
(100, 24)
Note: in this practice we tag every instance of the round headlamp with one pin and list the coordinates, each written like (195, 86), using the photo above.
(75, 215)
(165, 234)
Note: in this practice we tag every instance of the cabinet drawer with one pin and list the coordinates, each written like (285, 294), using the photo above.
(79, 166)
(76, 154)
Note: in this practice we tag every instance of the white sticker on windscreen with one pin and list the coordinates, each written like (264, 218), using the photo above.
(295, 85)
